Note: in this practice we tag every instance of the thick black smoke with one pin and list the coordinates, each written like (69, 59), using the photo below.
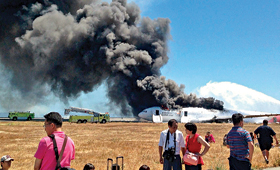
(56, 44)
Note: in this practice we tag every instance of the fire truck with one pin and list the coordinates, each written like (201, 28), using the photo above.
(92, 117)
(21, 115)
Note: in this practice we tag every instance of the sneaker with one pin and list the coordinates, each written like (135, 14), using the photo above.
(266, 161)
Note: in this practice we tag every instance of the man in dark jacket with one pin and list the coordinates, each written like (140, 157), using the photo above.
(265, 134)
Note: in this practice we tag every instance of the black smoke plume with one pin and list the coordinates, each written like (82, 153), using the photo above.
(68, 47)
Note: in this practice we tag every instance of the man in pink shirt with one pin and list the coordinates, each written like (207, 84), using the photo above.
(45, 155)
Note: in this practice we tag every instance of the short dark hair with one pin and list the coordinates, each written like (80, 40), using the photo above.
(191, 127)
(171, 121)
(55, 118)
(265, 122)
(144, 167)
(237, 118)
(88, 166)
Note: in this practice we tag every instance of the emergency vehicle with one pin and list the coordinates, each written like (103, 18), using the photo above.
(93, 117)
(21, 115)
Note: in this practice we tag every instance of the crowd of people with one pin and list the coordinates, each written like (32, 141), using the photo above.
(171, 142)
(238, 140)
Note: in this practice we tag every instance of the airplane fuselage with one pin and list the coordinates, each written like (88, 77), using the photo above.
(194, 114)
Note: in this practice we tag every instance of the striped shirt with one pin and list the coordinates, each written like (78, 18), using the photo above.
(238, 139)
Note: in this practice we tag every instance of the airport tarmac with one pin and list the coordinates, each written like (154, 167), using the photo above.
(112, 119)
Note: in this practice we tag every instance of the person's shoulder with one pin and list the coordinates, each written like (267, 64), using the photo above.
(70, 139)
(269, 127)
(241, 129)
(178, 131)
(233, 129)
(245, 131)
(196, 135)
(45, 139)
(258, 128)
(262, 127)
(164, 131)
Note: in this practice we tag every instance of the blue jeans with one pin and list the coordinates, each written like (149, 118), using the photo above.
(176, 164)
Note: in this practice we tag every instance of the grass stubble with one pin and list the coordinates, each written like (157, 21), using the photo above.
(136, 142)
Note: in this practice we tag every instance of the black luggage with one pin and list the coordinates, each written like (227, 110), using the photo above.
(115, 166)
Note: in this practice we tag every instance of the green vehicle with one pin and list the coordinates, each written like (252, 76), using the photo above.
(21, 115)
(94, 118)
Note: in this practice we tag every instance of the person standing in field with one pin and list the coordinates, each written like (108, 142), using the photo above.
(193, 144)
(170, 143)
(241, 146)
(265, 134)
(45, 155)
(6, 162)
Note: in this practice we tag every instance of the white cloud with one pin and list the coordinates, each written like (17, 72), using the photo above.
(239, 97)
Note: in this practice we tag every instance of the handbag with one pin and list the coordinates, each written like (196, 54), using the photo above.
(58, 158)
(190, 158)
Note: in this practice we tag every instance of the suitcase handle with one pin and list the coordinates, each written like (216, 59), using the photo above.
(109, 159)
(122, 160)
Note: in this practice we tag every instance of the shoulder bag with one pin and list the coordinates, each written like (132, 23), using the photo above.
(58, 158)
(189, 157)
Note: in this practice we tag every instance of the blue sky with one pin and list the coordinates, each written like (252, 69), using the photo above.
(225, 49)
(235, 41)
(212, 41)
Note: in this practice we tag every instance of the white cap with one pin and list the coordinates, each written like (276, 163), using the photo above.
(6, 158)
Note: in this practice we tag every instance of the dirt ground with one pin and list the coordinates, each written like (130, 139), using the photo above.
(136, 142)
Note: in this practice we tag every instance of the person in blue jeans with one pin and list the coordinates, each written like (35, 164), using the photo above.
(241, 146)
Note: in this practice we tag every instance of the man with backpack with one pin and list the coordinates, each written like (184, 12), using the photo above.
(46, 157)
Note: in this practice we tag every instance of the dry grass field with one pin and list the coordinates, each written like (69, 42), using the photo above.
(136, 142)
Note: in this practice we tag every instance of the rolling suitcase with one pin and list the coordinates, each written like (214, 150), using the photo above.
(115, 166)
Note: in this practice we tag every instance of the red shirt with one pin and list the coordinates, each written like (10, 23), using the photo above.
(193, 146)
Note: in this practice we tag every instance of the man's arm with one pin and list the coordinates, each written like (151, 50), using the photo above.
(160, 154)
(255, 136)
(37, 164)
(276, 140)
(183, 150)
(182, 144)
(251, 150)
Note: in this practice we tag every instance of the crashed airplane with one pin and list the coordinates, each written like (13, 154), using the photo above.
(200, 115)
